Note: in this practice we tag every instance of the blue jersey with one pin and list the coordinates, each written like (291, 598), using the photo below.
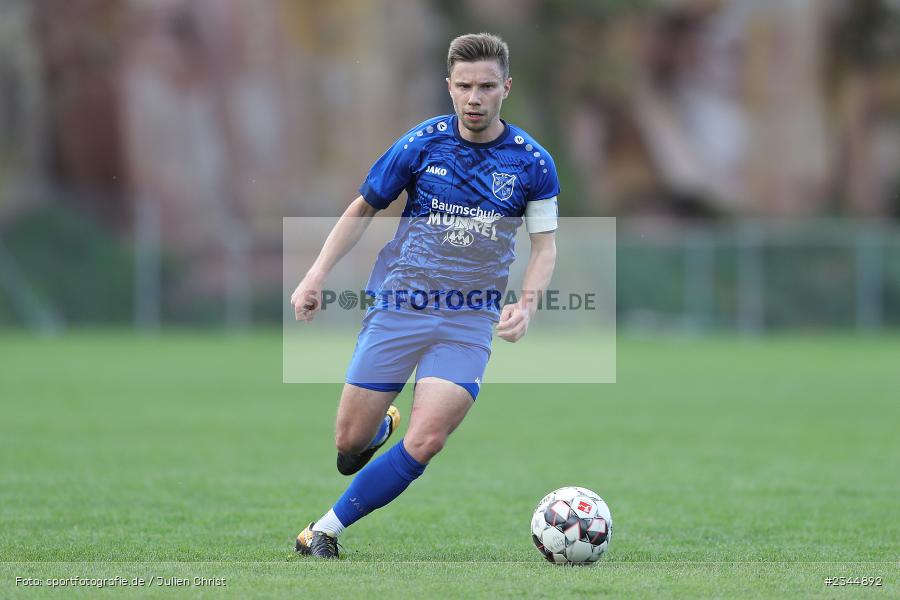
(464, 203)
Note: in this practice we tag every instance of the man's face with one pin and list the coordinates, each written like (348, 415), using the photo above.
(478, 89)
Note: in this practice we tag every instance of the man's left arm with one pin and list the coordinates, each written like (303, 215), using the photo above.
(514, 318)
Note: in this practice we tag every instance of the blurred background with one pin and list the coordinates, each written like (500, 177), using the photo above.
(149, 149)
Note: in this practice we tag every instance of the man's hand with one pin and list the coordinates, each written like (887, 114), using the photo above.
(514, 318)
(307, 298)
(514, 321)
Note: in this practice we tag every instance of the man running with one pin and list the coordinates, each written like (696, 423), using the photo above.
(437, 285)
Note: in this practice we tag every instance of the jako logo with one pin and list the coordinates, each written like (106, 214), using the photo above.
(436, 171)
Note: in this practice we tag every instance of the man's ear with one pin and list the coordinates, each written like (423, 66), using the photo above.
(507, 85)
(447, 79)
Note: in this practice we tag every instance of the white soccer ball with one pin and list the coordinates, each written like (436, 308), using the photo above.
(571, 525)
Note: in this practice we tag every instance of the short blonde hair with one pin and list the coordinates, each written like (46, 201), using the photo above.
(473, 47)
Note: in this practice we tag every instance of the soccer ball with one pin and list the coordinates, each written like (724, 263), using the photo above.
(571, 525)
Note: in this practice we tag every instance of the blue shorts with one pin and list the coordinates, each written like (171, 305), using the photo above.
(451, 345)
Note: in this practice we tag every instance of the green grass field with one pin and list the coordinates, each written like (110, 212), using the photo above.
(733, 469)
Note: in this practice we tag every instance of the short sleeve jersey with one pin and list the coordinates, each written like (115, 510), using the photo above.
(464, 203)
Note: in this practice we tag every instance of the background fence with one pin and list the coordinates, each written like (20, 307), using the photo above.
(746, 275)
(754, 276)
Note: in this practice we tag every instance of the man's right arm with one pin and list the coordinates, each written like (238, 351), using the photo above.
(307, 298)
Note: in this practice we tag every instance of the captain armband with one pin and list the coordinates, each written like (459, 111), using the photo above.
(541, 215)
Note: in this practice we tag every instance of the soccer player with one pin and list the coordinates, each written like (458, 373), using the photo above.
(470, 178)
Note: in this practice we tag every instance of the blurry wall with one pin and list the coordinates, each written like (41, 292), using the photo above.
(23, 111)
(712, 107)
(153, 146)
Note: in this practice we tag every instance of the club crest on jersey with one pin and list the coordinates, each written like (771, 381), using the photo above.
(503, 185)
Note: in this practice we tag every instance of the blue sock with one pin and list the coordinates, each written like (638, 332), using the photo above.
(382, 434)
(377, 484)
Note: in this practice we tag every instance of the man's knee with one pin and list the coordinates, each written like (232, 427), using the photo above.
(425, 446)
(348, 441)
